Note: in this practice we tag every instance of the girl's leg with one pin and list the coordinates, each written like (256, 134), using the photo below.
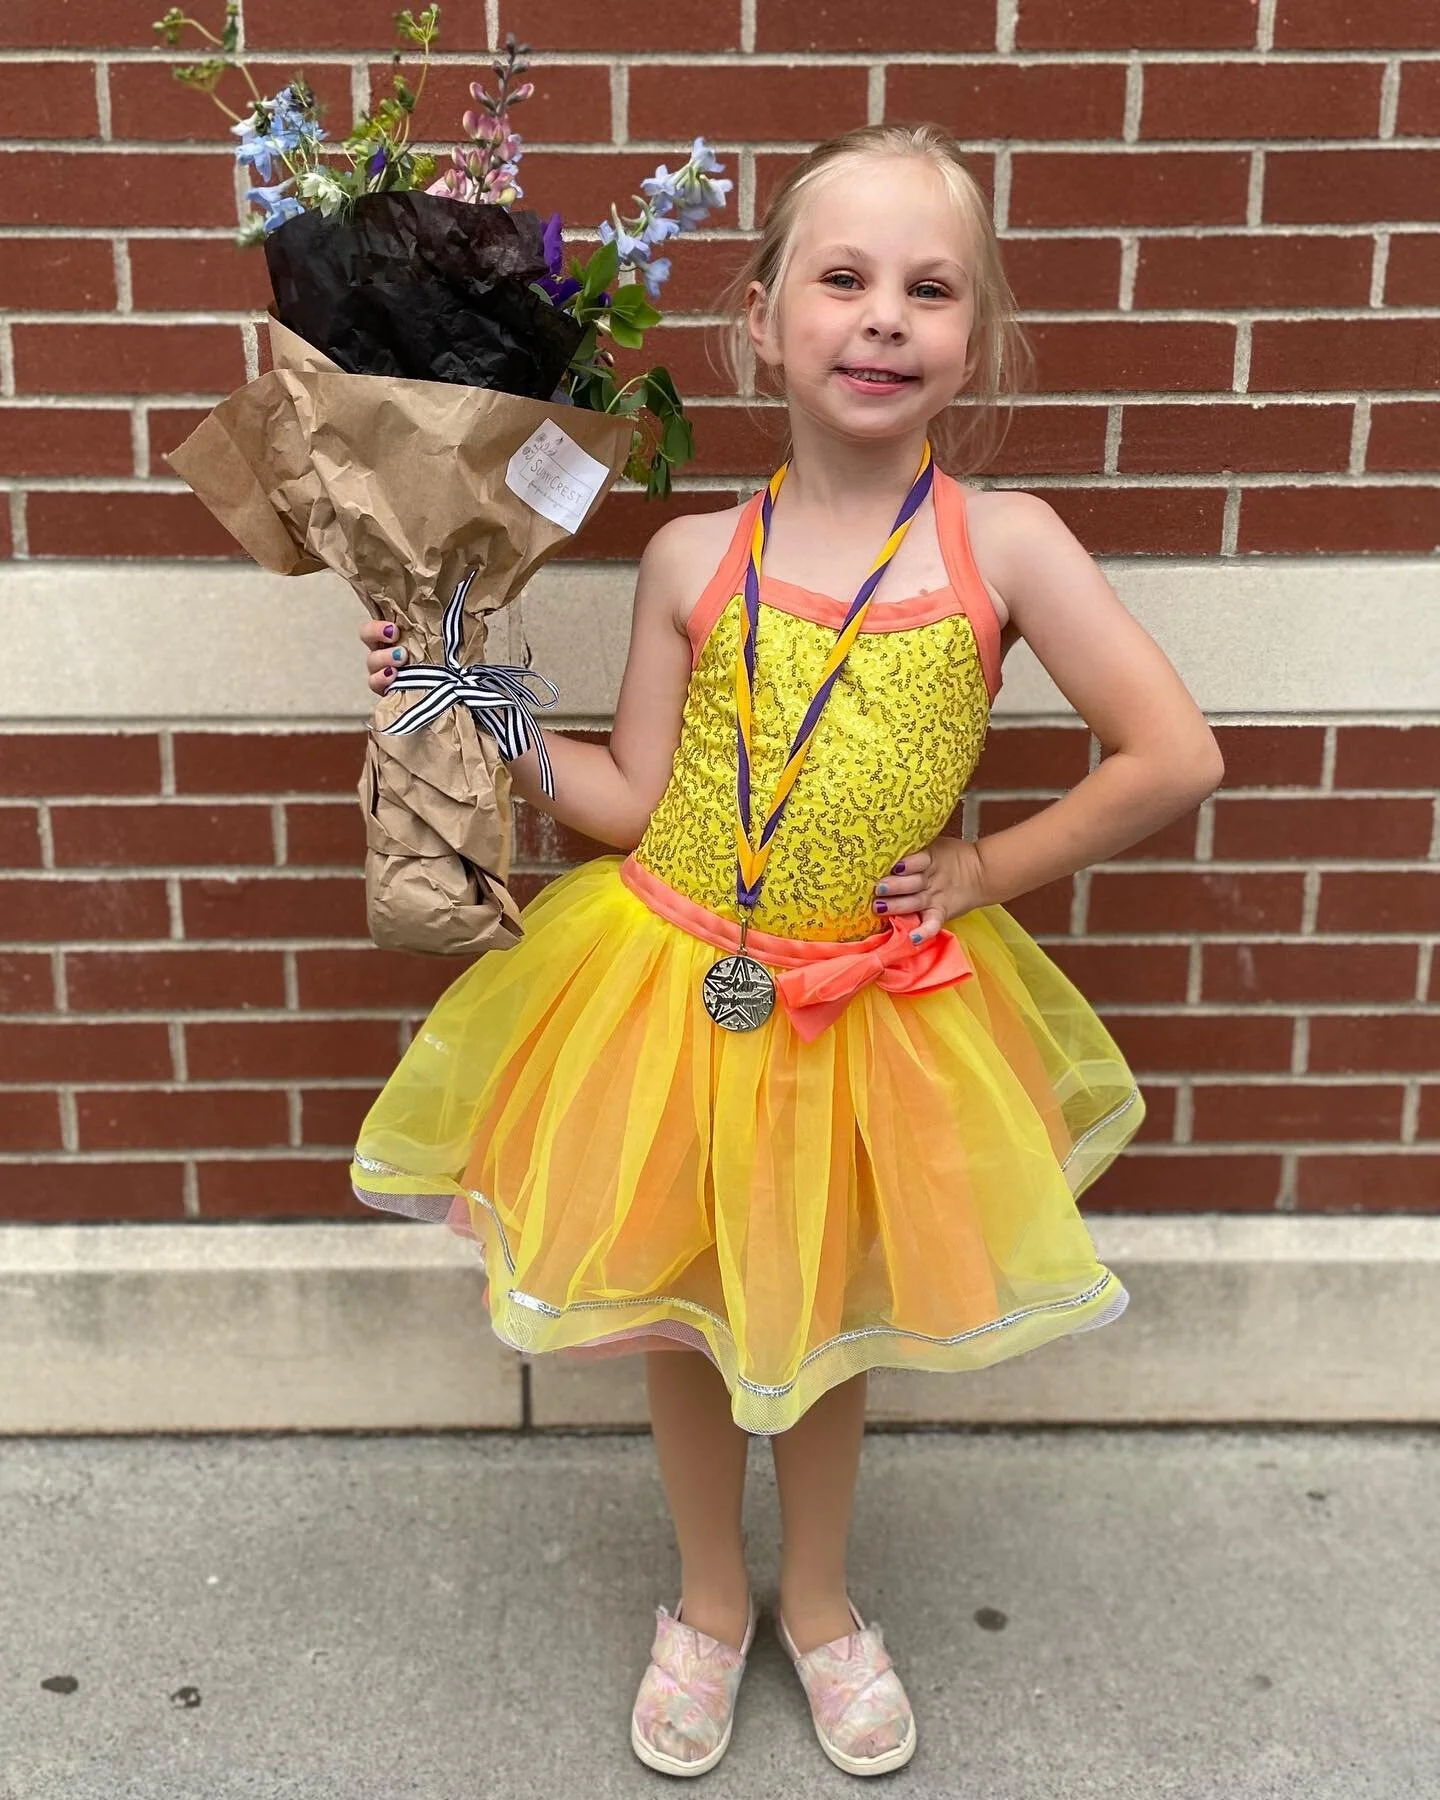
(816, 1464)
(701, 1451)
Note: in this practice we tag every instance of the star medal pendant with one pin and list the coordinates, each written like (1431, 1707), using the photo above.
(739, 993)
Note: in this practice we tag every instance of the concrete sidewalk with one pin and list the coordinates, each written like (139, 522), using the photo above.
(1149, 1615)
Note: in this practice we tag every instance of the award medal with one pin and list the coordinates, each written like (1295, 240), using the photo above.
(739, 993)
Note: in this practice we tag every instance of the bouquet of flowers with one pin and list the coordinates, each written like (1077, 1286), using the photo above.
(444, 410)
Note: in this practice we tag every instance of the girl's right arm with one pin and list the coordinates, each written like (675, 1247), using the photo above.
(608, 791)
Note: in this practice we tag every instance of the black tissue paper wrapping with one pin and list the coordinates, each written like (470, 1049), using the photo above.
(425, 287)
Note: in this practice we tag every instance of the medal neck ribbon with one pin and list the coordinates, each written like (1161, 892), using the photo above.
(752, 859)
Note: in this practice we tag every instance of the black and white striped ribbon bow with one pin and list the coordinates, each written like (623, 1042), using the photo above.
(498, 694)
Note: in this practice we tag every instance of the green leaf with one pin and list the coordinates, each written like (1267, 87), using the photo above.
(600, 272)
(203, 76)
(633, 306)
(230, 31)
(625, 334)
(665, 395)
(659, 485)
(677, 441)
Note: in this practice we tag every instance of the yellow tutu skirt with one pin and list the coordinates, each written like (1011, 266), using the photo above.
(899, 1191)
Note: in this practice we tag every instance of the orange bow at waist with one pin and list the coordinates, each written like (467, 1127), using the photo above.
(816, 993)
(817, 980)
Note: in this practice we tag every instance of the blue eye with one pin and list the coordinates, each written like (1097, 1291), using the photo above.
(937, 290)
(842, 275)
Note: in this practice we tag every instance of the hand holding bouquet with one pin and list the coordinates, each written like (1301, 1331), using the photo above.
(443, 412)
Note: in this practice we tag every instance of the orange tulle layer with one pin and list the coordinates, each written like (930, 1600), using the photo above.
(895, 1189)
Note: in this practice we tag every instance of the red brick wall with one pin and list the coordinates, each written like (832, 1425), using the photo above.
(188, 999)
(1221, 216)
(1223, 220)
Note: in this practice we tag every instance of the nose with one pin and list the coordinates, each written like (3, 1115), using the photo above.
(886, 320)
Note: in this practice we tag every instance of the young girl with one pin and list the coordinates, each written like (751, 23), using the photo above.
(784, 1094)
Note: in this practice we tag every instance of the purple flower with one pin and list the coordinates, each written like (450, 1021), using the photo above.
(654, 274)
(376, 164)
(553, 240)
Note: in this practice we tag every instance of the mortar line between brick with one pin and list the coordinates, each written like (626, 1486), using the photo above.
(1310, 902)
(60, 975)
(619, 103)
(1134, 98)
(1360, 435)
(69, 1120)
(191, 1198)
(1422, 970)
(1266, 228)
(875, 95)
(102, 100)
(1007, 14)
(1240, 375)
(748, 26)
(1004, 169)
(140, 439)
(1251, 56)
(1329, 750)
(1389, 99)
(1265, 26)
(7, 360)
(1194, 972)
(492, 24)
(1300, 1048)
(1379, 265)
(19, 525)
(159, 319)
(1113, 417)
(1129, 267)
(1230, 521)
(1255, 189)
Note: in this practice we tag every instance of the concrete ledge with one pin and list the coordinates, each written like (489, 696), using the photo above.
(226, 643)
(139, 1328)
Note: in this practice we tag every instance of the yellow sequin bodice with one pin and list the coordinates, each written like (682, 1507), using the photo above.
(893, 752)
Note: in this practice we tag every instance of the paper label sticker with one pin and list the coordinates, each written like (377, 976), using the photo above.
(554, 475)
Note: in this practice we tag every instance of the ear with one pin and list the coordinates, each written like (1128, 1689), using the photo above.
(760, 324)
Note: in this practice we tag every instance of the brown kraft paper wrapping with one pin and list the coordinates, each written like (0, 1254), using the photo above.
(399, 486)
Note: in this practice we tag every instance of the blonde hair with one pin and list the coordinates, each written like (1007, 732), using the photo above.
(965, 437)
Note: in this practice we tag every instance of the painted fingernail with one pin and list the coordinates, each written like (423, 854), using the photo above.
(899, 869)
(883, 888)
(388, 632)
(398, 655)
(389, 674)
(881, 906)
(914, 937)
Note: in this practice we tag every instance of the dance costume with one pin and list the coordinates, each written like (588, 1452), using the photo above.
(884, 1170)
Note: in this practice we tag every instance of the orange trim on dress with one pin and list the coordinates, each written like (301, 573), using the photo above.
(724, 583)
(966, 592)
(953, 528)
(817, 979)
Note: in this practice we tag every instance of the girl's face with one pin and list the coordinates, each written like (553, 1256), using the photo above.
(872, 324)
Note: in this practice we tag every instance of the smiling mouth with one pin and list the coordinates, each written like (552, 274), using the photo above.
(880, 377)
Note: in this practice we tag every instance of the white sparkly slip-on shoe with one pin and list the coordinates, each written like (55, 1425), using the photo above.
(859, 1706)
(685, 1709)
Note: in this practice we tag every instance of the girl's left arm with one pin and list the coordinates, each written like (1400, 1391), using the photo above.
(1161, 758)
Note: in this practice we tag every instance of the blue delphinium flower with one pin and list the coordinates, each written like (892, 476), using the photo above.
(278, 127)
(275, 203)
(669, 204)
(632, 249)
